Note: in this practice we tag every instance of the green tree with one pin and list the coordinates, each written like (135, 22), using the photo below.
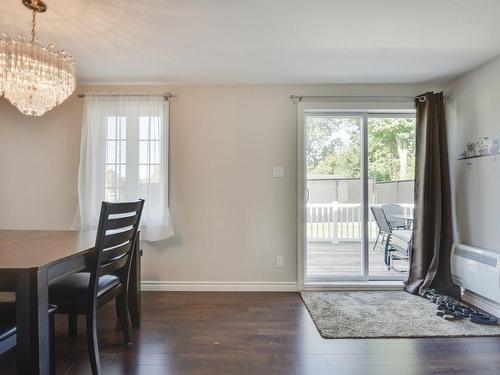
(333, 146)
(326, 137)
(391, 149)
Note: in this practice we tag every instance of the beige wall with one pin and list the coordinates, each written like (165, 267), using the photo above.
(230, 216)
(474, 111)
(39, 166)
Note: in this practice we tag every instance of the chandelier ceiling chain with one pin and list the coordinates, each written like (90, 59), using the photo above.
(33, 26)
(34, 78)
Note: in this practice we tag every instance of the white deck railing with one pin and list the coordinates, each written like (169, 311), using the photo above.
(336, 222)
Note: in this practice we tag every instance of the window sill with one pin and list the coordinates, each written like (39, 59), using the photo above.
(355, 285)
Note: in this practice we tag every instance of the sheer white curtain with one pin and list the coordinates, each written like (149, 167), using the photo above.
(124, 157)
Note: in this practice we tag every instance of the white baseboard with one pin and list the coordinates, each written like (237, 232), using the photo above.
(218, 286)
(481, 302)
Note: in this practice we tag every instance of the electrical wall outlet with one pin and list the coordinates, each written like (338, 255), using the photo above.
(280, 261)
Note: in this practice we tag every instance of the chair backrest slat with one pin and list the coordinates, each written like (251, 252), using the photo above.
(121, 222)
(114, 265)
(124, 208)
(119, 238)
(116, 252)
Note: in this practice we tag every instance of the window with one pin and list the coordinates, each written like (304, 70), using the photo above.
(116, 158)
(149, 150)
(124, 157)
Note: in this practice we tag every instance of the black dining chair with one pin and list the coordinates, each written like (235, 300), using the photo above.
(8, 330)
(108, 277)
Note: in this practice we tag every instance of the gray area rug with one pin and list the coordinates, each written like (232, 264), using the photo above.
(369, 314)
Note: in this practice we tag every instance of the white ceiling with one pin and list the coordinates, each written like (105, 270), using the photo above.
(266, 41)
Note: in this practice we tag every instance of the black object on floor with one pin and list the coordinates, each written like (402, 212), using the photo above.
(451, 309)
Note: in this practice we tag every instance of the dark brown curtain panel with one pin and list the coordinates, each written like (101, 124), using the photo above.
(433, 233)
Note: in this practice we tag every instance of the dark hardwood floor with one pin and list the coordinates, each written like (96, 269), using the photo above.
(255, 333)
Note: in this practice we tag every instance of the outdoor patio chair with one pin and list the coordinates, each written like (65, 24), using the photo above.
(384, 227)
(397, 241)
(391, 210)
(399, 246)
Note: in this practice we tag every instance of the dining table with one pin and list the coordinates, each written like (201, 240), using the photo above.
(30, 261)
(408, 218)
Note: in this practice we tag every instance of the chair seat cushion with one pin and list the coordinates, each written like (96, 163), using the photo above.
(401, 238)
(403, 234)
(8, 319)
(73, 289)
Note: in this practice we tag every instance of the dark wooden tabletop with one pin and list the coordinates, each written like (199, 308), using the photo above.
(29, 249)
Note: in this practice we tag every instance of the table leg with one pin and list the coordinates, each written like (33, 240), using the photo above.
(32, 323)
(134, 286)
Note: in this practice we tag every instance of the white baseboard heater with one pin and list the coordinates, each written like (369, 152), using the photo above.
(476, 270)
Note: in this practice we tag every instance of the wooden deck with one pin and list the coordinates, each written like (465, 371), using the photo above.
(344, 259)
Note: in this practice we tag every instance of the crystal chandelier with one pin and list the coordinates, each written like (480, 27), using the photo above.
(34, 78)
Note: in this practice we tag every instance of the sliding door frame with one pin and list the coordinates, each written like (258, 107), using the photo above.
(319, 109)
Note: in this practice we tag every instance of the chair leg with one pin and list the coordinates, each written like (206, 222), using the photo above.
(121, 303)
(376, 241)
(93, 346)
(73, 326)
(118, 312)
(117, 308)
(386, 254)
(52, 343)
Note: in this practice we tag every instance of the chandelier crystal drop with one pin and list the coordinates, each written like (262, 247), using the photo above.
(34, 78)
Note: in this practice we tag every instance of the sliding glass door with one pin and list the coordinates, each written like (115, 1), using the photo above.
(357, 165)
(334, 196)
(391, 173)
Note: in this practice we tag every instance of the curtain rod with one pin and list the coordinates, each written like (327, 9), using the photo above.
(421, 98)
(166, 95)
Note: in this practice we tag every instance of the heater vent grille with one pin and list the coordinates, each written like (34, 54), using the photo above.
(472, 255)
